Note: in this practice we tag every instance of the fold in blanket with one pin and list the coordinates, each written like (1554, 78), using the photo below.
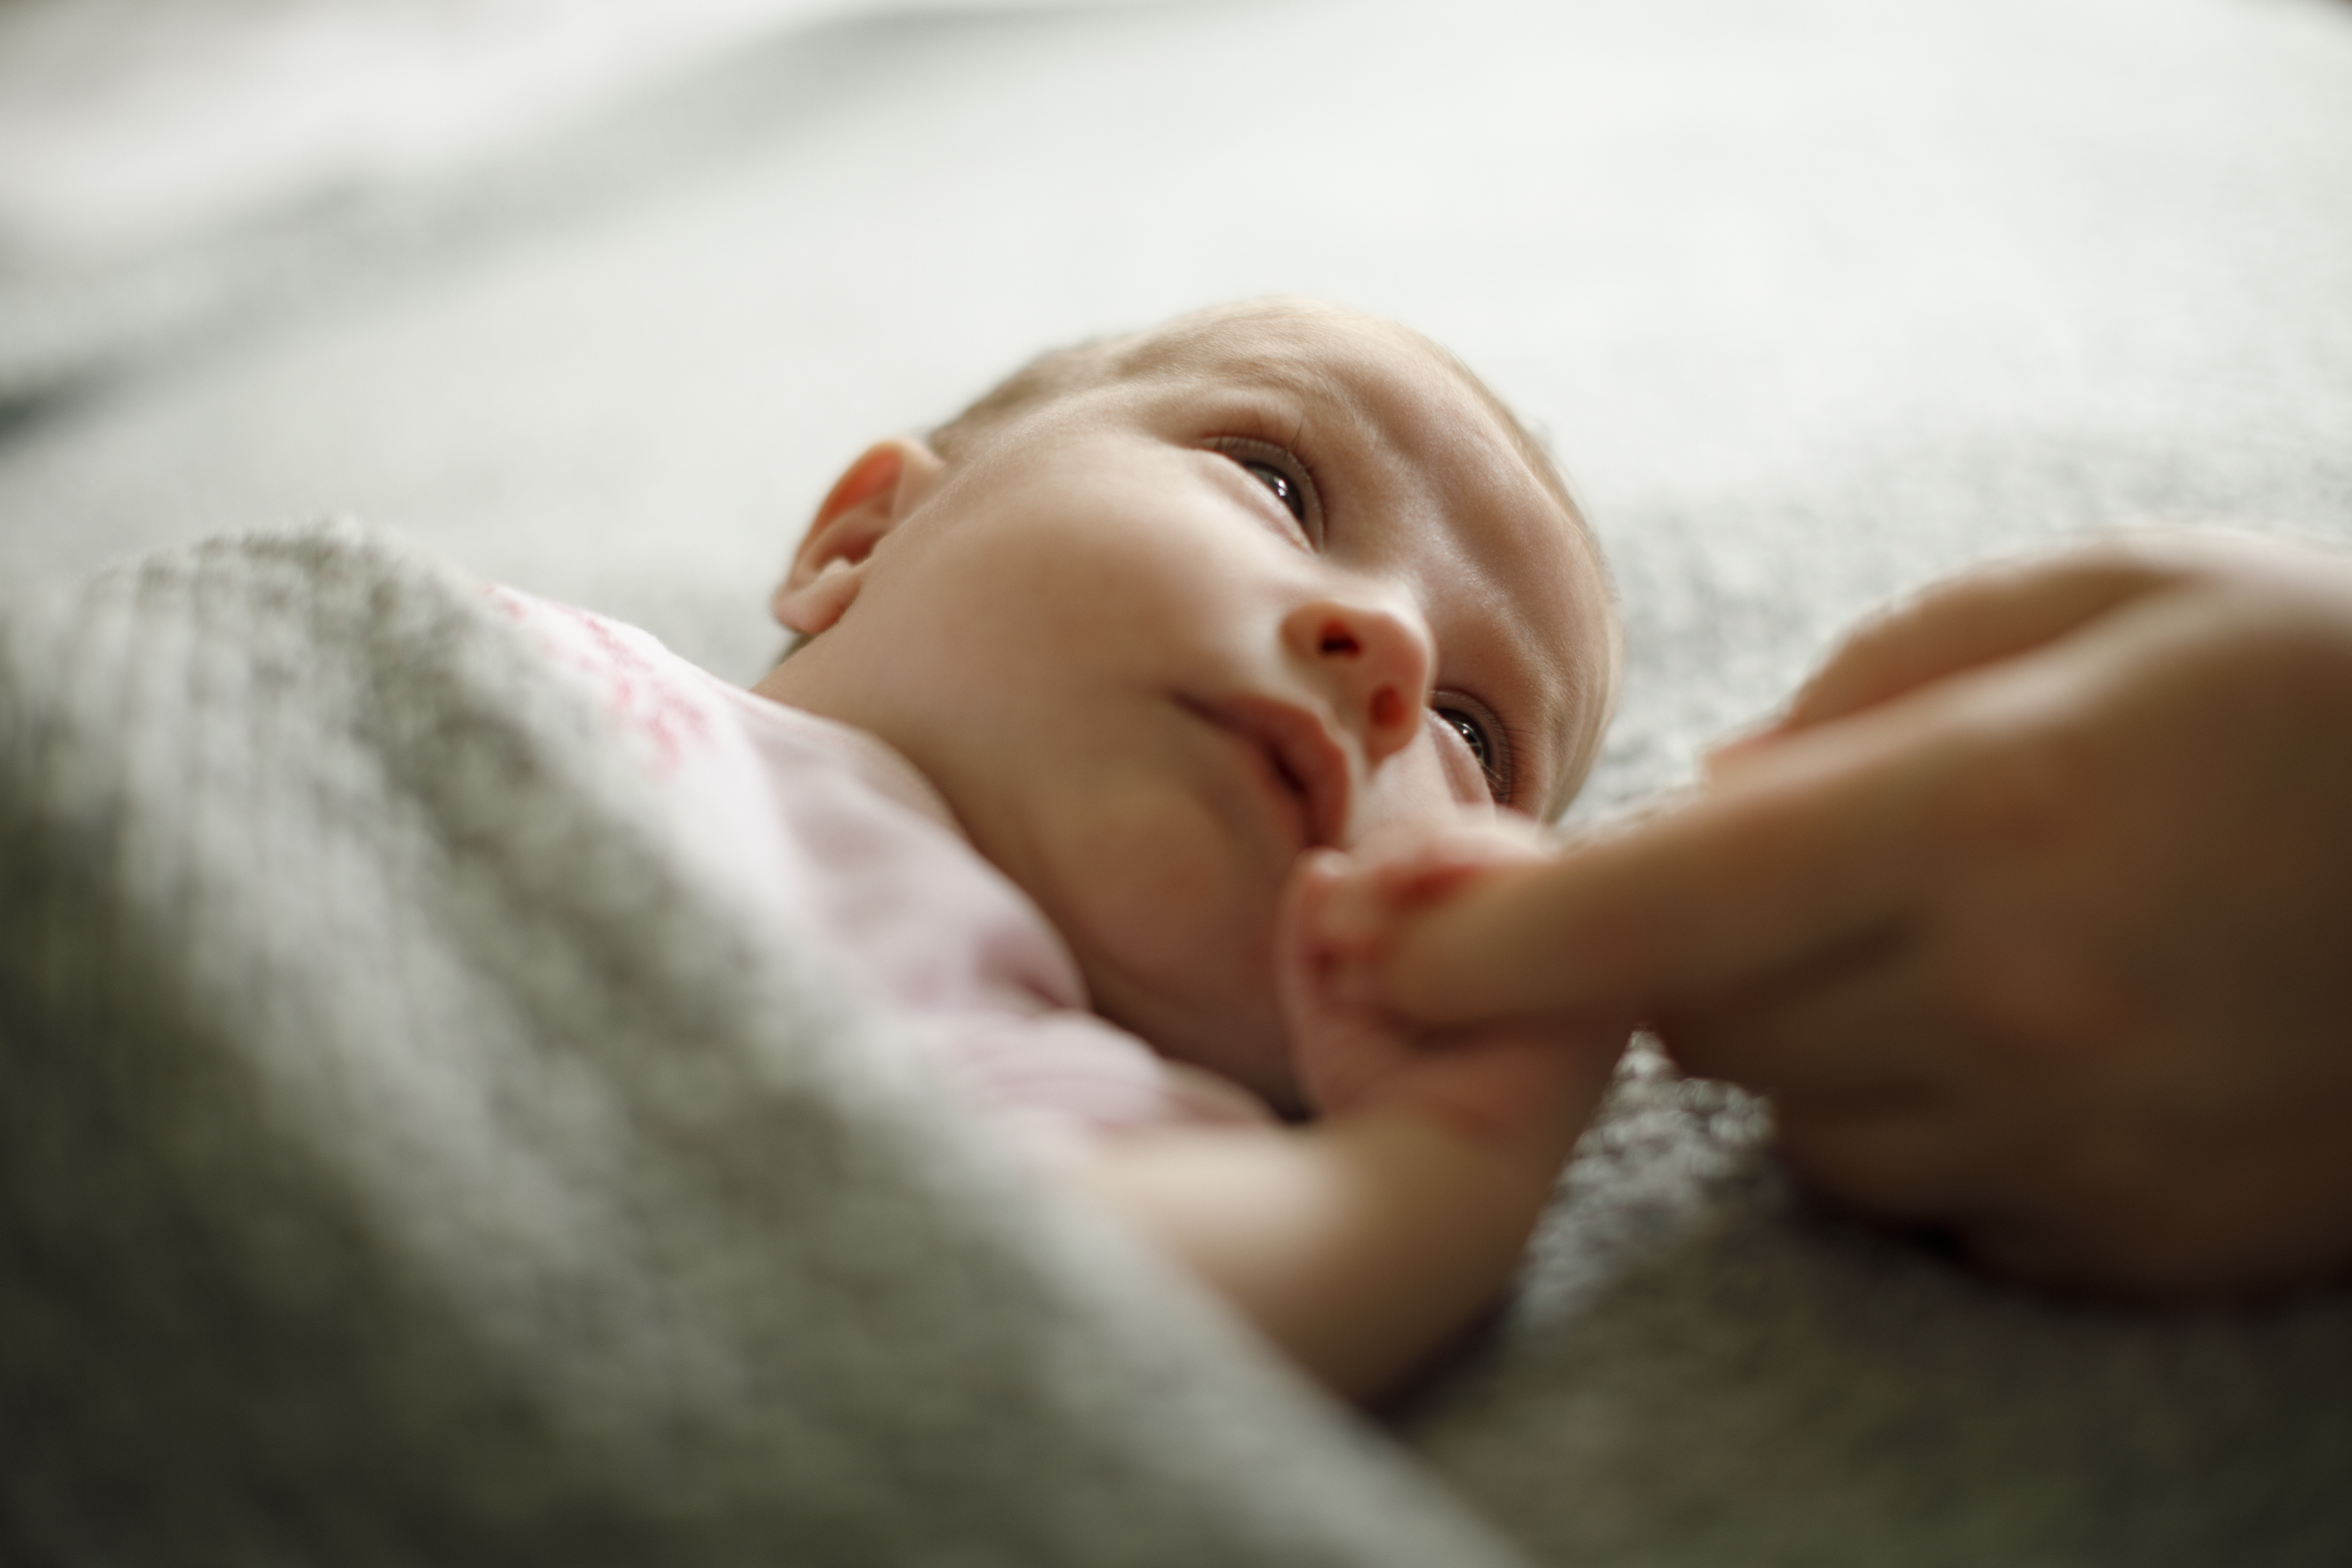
(403, 1159)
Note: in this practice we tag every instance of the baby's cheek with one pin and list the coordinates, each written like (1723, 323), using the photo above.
(1174, 931)
(1154, 871)
(1409, 791)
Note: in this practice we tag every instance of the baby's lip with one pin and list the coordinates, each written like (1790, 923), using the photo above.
(1300, 750)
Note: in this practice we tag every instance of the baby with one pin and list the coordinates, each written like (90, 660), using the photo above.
(1096, 690)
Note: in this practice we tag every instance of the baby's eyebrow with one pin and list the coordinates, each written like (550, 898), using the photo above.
(1306, 383)
(1222, 357)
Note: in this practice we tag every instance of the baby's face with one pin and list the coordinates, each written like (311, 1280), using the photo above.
(1291, 583)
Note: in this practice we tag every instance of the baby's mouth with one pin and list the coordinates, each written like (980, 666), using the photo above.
(1298, 751)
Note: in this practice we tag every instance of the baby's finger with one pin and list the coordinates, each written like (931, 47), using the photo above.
(1350, 913)
(1336, 1049)
(1303, 931)
(1514, 1084)
(1358, 898)
(1406, 863)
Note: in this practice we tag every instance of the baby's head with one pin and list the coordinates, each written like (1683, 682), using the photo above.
(1162, 612)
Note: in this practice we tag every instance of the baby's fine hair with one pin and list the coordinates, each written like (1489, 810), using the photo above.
(1098, 361)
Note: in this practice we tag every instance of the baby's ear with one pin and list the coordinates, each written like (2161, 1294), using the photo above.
(869, 500)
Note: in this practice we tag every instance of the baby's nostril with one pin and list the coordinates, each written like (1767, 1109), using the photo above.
(1338, 640)
(1387, 708)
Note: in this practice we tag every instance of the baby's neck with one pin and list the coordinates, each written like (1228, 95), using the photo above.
(883, 767)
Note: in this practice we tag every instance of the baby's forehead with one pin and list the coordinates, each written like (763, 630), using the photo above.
(1318, 350)
(1382, 373)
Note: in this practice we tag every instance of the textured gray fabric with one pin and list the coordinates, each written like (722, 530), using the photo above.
(403, 1160)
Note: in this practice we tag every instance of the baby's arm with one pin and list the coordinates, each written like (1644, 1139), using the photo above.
(1361, 1242)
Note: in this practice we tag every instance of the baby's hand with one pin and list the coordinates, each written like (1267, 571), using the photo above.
(1534, 1081)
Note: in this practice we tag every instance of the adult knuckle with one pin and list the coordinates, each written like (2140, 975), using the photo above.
(2032, 1005)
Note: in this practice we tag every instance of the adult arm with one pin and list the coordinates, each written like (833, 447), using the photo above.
(2033, 917)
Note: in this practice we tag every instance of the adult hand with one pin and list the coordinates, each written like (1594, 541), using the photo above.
(2033, 917)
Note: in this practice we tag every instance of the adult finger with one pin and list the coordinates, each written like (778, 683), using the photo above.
(1803, 853)
(1829, 837)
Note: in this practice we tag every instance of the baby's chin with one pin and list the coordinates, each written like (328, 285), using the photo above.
(1186, 961)
(1236, 1034)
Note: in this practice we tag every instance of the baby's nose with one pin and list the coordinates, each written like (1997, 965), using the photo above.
(1373, 662)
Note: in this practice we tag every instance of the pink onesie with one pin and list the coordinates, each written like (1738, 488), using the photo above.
(830, 830)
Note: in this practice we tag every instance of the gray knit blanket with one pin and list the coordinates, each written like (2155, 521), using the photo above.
(405, 1159)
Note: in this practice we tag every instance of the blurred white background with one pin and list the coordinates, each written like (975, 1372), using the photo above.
(126, 125)
(597, 296)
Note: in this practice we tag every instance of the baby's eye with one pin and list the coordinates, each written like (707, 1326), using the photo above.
(1284, 476)
(1285, 488)
(1474, 735)
(1482, 735)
